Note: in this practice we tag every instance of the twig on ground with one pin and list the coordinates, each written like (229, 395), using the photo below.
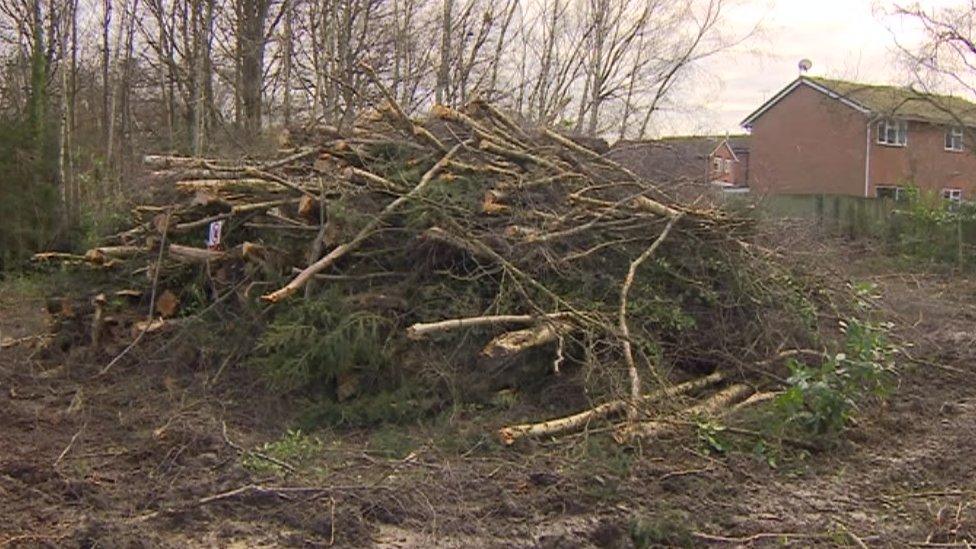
(67, 448)
(757, 537)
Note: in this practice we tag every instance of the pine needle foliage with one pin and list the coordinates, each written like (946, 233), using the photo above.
(309, 346)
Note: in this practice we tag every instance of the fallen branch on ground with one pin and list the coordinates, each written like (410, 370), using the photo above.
(722, 400)
(419, 330)
(579, 421)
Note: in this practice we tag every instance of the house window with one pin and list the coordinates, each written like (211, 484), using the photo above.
(953, 139)
(717, 165)
(893, 132)
(728, 167)
(952, 195)
(889, 192)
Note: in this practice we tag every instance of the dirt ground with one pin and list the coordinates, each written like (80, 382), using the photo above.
(151, 455)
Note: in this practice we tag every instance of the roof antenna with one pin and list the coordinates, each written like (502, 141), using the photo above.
(805, 65)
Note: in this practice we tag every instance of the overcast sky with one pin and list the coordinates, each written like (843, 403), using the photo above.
(849, 39)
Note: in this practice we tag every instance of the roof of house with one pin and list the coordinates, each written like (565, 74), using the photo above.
(879, 100)
(673, 158)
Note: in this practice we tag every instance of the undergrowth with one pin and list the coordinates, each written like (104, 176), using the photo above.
(295, 448)
(930, 229)
(821, 399)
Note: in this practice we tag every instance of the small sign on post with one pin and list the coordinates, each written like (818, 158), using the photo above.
(213, 236)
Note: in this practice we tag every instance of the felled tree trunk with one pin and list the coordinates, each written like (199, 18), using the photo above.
(714, 405)
(578, 421)
(189, 254)
(511, 344)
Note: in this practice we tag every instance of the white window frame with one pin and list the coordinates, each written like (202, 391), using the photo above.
(898, 191)
(954, 140)
(952, 195)
(892, 133)
(728, 167)
(717, 164)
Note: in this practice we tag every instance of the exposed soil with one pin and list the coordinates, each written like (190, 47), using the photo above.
(139, 458)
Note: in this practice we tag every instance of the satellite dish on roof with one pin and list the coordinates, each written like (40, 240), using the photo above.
(805, 65)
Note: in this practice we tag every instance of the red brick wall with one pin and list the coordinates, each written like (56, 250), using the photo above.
(924, 162)
(808, 143)
(740, 175)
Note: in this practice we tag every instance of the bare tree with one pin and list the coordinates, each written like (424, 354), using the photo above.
(946, 57)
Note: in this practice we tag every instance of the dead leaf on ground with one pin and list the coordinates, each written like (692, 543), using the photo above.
(167, 304)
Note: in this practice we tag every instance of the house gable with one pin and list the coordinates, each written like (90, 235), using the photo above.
(802, 81)
(725, 144)
(806, 142)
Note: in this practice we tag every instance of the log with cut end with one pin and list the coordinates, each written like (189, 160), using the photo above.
(579, 421)
(510, 344)
(715, 405)
(189, 254)
(104, 254)
(98, 320)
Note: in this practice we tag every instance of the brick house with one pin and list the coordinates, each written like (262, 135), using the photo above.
(820, 136)
(728, 163)
(722, 160)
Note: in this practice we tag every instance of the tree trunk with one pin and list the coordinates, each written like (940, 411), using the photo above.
(443, 89)
(106, 57)
(288, 53)
(251, 42)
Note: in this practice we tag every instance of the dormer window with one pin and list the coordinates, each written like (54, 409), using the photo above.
(953, 139)
(893, 132)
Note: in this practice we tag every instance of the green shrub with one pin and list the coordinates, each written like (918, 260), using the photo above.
(928, 228)
(821, 399)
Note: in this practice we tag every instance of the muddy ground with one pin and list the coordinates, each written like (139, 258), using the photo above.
(152, 455)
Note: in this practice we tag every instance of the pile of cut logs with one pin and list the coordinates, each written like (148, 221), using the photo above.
(524, 212)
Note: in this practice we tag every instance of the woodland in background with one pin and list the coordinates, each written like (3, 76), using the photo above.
(87, 84)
